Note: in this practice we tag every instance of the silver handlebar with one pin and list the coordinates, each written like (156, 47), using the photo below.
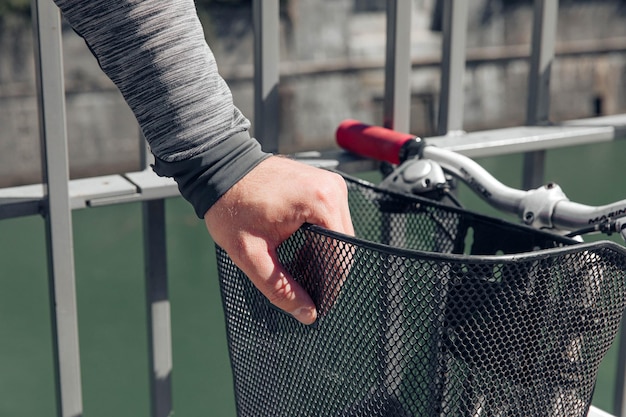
(543, 207)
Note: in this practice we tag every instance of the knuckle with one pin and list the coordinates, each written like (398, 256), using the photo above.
(242, 250)
(333, 190)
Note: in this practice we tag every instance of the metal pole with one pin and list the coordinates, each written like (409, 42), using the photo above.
(451, 99)
(265, 16)
(396, 115)
(397, 104)
(57, 210)
(159, 322)
(157, 299)
(538, 105)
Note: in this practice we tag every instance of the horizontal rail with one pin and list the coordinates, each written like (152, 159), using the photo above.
(522, 139)
(505, 141)
(15, 204)
(90, 192)
(146, 185)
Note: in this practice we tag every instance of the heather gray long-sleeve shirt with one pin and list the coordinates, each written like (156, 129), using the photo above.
(156, 54)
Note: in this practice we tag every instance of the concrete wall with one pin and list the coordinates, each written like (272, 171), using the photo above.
(102, 132)
(331, 36)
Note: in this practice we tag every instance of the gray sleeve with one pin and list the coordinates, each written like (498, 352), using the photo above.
(156, 54)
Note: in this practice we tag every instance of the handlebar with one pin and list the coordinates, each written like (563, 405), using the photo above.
(544, 207)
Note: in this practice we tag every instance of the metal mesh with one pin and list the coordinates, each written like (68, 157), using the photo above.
(418, 318)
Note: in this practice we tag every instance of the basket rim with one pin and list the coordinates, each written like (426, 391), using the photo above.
(455, 257)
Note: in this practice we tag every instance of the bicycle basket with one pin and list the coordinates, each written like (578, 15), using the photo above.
(429, 311)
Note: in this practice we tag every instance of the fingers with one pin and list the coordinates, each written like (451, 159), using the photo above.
(322, 266)
(260, 263)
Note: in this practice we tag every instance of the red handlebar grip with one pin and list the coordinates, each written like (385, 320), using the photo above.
(371, 141)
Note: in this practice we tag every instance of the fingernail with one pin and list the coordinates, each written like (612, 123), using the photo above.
(305, 315)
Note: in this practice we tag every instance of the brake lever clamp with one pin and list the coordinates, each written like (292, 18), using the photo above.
(416, 176)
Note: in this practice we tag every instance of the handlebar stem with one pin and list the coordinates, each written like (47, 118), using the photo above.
(537, 206)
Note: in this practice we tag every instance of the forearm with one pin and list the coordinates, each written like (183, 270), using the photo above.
(155, 52)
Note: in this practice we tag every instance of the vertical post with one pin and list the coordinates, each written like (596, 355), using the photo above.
(397, 103)
(57, 210)
(157, 300)
(451, 98)
(451, 106)
(538, 104)
(396, 115)
(159, 326)
(265, 16)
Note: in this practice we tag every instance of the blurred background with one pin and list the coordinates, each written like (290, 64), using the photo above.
(332, 58)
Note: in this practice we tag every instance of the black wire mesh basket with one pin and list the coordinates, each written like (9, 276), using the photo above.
(428, 311)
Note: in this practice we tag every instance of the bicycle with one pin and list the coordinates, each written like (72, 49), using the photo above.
(433, 310)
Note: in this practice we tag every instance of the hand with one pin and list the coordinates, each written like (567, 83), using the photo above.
(266, 207)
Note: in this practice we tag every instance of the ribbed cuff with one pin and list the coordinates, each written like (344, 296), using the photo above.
(204, 178)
